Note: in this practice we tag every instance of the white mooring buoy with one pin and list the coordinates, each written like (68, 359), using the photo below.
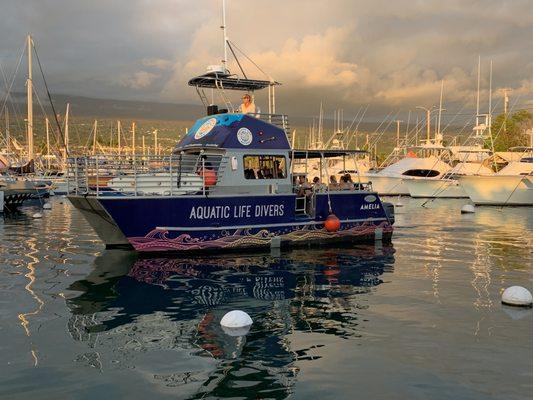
(37, 215)
(517, 296)
(47, 206)
(468, 209)
(236, 323)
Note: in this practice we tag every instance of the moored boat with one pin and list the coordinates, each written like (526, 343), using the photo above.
(233, 208)
(511, 186)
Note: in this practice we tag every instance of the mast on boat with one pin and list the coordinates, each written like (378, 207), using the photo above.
(65, 147)
(225, 37)
(8, 139)
(46, 123)
(95, 133)
(119, 130)
(29, 88)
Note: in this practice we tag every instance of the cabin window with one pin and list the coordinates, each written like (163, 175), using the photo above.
(264, 167)
(426, 173)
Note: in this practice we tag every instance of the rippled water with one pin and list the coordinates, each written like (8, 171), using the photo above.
(419, 319)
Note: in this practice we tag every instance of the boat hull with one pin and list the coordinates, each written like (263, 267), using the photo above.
(435, 188)
(388, 185)
(198, 224)
(511, 190)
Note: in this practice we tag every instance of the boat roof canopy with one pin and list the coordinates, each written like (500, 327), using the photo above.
(234, 131)
(303, 154)
(219, 80)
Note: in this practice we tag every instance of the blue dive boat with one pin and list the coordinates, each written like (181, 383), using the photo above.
(229, 184)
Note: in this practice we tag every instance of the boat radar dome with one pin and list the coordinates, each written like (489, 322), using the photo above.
(216, 69)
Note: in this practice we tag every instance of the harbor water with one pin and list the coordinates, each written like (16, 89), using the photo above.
(420, 318)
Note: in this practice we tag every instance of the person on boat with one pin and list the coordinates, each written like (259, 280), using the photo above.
(344, 184)
(333, 182)
(349, 181)
(304, 186)
(247, 106)
(317, 185)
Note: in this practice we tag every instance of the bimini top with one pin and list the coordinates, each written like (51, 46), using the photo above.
(234, 131)
(219, 80)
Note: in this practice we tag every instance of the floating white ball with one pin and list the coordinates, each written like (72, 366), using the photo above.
(468, 209)
(37, 215)
(236, 319)
(517, 296)
(47, 206)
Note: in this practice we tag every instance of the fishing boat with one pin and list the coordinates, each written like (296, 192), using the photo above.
(392, 180)
(511, 186)
(467, 160)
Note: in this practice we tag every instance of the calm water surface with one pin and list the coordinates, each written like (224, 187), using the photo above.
(419, 319)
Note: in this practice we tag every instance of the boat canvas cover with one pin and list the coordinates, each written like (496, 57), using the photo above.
(235, 131)
(466, 168)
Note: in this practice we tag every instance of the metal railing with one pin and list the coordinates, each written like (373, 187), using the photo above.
(279, 120)
(138, 175)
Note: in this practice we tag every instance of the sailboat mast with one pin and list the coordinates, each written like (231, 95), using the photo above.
(8, 139)
(29, 87)
(119, 134)
(133, 138)
(66, 148)
(95, 133)
(47, 144)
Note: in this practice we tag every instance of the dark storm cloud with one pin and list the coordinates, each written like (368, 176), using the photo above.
(391, 54)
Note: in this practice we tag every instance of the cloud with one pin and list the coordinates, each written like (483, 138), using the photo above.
(157, 63)
(138, 80)
(346, 53)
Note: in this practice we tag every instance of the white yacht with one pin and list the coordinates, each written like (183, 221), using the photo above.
(448, 185)
(512, 186)
(392, 179)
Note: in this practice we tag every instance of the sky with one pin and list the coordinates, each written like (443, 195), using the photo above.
(389, 55)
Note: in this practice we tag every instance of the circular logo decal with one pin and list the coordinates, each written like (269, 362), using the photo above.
(244, 136)
(205, 128)
(370, 198)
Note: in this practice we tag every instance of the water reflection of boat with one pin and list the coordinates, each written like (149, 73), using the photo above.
(140, 305)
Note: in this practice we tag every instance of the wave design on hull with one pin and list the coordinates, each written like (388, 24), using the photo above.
(158, 240)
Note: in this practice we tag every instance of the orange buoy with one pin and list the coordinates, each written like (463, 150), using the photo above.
(210, 176)
(332, 223)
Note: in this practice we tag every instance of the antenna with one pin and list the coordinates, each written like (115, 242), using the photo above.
(490, 100)
(224, 35)
(478, 80)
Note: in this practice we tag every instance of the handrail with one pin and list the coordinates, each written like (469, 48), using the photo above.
(101, 175)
